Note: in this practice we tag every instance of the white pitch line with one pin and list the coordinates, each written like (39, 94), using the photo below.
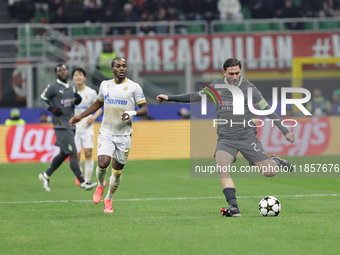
(164, 198)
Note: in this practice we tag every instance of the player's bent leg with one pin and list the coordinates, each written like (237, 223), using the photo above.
(103, 163)
(267, 167)
(224, 160)
(115, 179)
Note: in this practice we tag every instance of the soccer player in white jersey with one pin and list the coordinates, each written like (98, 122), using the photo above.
(119, 97)
(84, 129)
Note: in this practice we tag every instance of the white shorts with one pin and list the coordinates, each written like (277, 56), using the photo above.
(115, 146)
(84, 139)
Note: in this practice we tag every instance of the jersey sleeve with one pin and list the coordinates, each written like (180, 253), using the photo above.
(47, 93)
(258, 99)
(100, 97)
(44, 100)
(139, 95)
(94, 96)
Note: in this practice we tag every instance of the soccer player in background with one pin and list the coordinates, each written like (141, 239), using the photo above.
(84, 129)
(119, 97)
(232, 139)
(60, 98)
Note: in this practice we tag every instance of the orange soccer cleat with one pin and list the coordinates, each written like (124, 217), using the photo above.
(97, 196)
(108, 206)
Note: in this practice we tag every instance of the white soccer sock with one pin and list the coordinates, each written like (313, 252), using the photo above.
(101, 173)
(114, 183)
(88, 168)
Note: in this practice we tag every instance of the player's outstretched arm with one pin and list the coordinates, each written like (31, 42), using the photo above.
(94, 107)
(92, 119)
(184, 98)
(143, 110)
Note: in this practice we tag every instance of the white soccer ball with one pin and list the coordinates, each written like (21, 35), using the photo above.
(269, 206)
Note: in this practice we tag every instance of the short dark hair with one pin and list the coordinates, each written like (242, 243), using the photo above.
(80, 70)
(231, 62)
(55, 69)
(113, 60)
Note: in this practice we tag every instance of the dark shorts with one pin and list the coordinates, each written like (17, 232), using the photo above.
(65, 140)
(251, 148)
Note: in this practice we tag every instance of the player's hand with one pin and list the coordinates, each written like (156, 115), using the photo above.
(128, 114)
(74, 120)
(162, 97)
(56, 111)
(290, 137)
(90, 121)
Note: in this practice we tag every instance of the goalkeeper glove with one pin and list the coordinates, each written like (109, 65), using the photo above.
(56, 111)
(78, 99)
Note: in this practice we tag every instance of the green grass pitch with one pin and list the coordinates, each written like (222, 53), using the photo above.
(159, 209)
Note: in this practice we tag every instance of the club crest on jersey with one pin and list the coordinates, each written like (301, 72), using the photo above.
(126, 88)
(61, 91)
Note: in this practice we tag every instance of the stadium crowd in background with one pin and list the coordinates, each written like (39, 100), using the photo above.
(80, 11)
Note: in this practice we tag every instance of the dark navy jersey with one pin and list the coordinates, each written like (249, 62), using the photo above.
(60, 95)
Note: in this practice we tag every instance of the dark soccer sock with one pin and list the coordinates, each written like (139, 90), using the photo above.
(76, 169)
(230, 196)
(56, 162)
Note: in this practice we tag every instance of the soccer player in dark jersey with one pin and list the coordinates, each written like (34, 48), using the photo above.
(235, 138)
(60, 98)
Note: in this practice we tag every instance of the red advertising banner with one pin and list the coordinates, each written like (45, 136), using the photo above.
(208, 52)
(31, 143)
(312, 137)
(171, 139)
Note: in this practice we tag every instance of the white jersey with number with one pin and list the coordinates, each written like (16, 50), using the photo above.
(89, 96)
(117, 99)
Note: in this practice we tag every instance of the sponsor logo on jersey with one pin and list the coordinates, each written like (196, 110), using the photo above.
(68, 102)
(108, 100)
